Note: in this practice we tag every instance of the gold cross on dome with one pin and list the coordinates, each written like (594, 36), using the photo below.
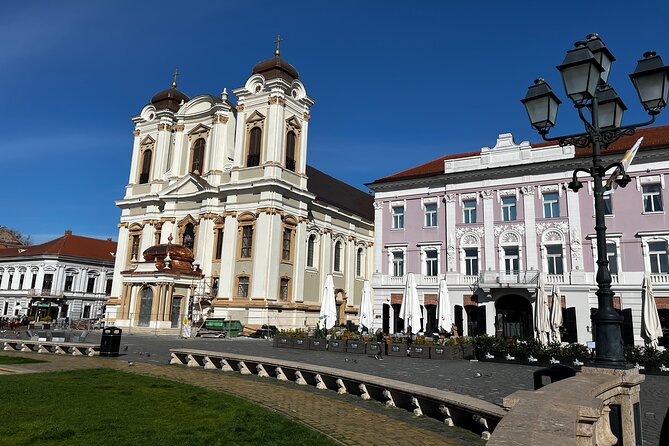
(277, 41)
(174, 78)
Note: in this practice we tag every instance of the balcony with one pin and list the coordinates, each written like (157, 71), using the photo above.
(661, 279)
(35, 292)
(400, 281)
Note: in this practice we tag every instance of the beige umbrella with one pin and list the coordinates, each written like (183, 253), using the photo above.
(366, 307)
(556, 315)
(445, 321)
(410, 308)
(328, 313)
(542, 325)
(651, 329)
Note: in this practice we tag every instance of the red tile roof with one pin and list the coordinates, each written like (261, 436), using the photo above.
(653, 137)
(68, 245)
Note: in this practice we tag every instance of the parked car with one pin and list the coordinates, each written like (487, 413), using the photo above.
(267, 331)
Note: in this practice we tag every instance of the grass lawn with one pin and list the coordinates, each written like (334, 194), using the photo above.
(106, 407)
(16, 360)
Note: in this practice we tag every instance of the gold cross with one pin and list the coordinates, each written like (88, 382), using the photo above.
(174, 78)
(278, 41)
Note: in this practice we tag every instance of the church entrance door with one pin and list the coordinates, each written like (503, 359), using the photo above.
(145, 304)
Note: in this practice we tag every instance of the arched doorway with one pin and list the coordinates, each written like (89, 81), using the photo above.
(513, 317)
(145, 304)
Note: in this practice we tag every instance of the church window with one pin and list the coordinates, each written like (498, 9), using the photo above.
(287, 236)
(358, 262)
(255, 139)
(146, 167)
(243, 286)
(337, 257)
(134, 247)
(290, 151)
(219, 244)
(197, 163)
(189, 236)
(247, 242)
(311, 244)
(283, 289)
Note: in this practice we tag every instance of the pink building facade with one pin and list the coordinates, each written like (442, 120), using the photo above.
(489, 222)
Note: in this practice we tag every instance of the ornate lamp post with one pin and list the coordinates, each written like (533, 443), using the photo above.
(585, 71)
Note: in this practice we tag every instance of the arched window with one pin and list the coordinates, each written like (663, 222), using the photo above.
(358, 262)
(146, 167)
(310, 250)
(337, 257)
(197, 164)
(255, 138)
(290, 151)
(189, 236)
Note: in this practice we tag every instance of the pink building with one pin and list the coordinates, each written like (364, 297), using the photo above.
(489, 222)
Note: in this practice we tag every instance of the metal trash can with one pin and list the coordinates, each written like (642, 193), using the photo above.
(554, 373)
(110, 344)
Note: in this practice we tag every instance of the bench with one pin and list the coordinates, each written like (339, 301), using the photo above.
(62, 348)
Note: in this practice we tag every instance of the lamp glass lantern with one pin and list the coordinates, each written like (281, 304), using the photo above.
(580, 73)
(541, 105)
(601, 53)
(610, 108)
(651, 81)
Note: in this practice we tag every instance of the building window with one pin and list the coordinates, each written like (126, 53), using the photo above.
(214, 286)
(612, 257)
(219, 244)
(108, 287)
(134, 247)
(659, 257)
(431, 263)
(469, 209)
(87, 312)
(431, 215)
(69, 280)
(197, 163)
(283, 290)
(511, 260)
(554, 259)
(652, 198)
(146, 167)
(398, 217)
(90, 285)
(48, 281)
(398, 263)
(291, 141)
(551, 205)
(255, 139)
(471, 261)
(358, 262)
(337, 256)
(188, 239)
(608, 204)
(509, 208)
(21, 279)
(247, 242)
(33, 281)
(287, 237)
(311, 243)
(243, 287)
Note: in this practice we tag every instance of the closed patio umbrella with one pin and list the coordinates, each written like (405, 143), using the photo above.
(651, 329)
(410, 308)
(541, 313)
(328, 314)
(366, 307)
(445, 320)
(556, 315)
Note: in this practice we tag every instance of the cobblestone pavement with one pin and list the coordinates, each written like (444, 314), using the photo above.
(345, 418)
(488, 381)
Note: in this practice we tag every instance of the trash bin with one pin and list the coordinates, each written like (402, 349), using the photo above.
(111, 341)
(554, 373)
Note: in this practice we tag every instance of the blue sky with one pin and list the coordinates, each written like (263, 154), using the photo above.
(395, 83)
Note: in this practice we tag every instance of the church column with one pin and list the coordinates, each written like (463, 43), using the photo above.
(134, 165)
(274, 141)
(205, 243)
(163, 144)
(349, 272)
(302, 154)
(217, 152)
(530, 228)
(119, 259)
(174, 169)
(299, 261)
(266, 255)
(226, 281)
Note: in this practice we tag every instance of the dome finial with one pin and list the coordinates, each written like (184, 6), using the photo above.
(278, 41)
(174, 78)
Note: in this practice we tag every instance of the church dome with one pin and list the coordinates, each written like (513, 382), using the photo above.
(170, 99)
(276, 67)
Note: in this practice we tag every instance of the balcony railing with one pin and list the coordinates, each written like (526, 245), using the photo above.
(554, 279)
(36, 292)
(659, 278)
(509, 277)
(420, 280)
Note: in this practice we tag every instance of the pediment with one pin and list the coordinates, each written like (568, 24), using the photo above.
(186, 186)
(255, 117)
(200, 128)
(147, 141)
(293, 122)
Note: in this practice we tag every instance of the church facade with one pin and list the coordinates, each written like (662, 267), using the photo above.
(230, 183)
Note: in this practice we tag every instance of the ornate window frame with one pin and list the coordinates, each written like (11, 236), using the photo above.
(219, 233)
(289, 290)
(147, 145)
(392, 249)
(338, 254)
(255, 120)
(245, 220)
(292, 125)
(510, 238)
(182, 225)
(238, 277)
(316, 234)
(134, 235)
(553, 237)
(469, 240)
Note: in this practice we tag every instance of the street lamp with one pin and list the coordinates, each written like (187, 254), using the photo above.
(585, 72)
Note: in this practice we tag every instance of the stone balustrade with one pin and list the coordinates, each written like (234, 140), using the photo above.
(61, 348)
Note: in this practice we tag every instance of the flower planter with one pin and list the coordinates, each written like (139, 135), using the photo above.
(301, 343)
(373, 348)
(420, 351)
(461, 351)
(318, 344)
(397, 349)
(337, 345)
(283, 342)
(441, 352)
(356, 346)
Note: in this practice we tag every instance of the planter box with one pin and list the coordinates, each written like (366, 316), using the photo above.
(283, 342)
(451, 352)
(397, 350)
(337, 345)
(420, 351)
(301, 343)
(318, 344)
(357, 346)
(373, 348)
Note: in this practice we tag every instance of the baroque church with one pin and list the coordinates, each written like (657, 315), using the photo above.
(222, 216)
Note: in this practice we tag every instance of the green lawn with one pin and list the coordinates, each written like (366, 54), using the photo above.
(16, 360)
(106, 407)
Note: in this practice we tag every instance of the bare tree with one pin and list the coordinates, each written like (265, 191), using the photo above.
(23, 239)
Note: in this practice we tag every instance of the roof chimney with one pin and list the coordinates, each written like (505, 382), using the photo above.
(109, 239)
(68, 232)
